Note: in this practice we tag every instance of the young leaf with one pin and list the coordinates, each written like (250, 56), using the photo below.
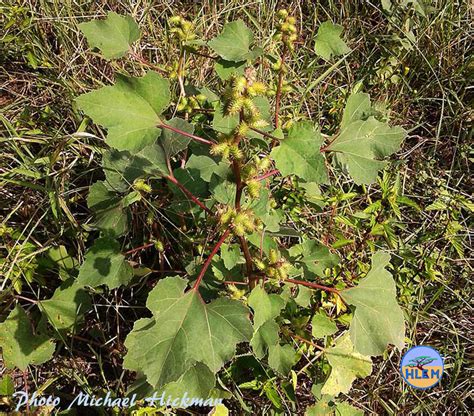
(346, 366)
(65, 309)
(264, 337)
(113, 35)
(299, 154)
(361, 143)
(20, 347)
(225, 69)
(128, 110)
(322, 326)
(328, 41)
(111, 218)
(378, 319)
(173, 142)
(184, 330)
(314, 256)
(233, 43)
(265, 306)
(105, 265)
(358, 107)
(231, 255)
(282, 358)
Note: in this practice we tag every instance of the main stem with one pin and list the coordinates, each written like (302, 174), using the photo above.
(189, 194)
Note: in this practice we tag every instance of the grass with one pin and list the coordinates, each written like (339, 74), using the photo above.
(415, 65)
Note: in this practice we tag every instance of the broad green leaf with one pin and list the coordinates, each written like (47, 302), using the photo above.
(299, 154)
(223, 191)
(184, 330)
(322, 326)
(110, 215)
(233, 43)
(113, 35)
(304, 296)
(225, 69)
(265, 306)
(328, 41)
(264, 337)
(346, 366)
(128, 110)
(378, 319)
(66, 308)
(282, 358)
(314, 256)
(173, 142)
(20, 346)
(204, 164)
(222, 123)
(197, 381)
(152, 87)
(358, 107)
(64, 261)
(231, 255)
(362, 143)
(105, 265)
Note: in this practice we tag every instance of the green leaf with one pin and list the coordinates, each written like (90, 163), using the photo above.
(110, 216)
(66, 263)
(222, 123)
(105, 265)
(233, 43)
(122, 168)
(322, 326)
(358, 107)
(197, 381)
(346, 366)
(66, 308)
(173, 142)
(7, 387)
(184, 330)
(299, 154)
(361, 143)
(20, 346)
(378, 319)
(282, 358)
(265, 306)
(314, 256)
(262, 208)
(231, 255)
(113, 35)
(328, 41)
(322, 407)
(304, 296)
(204, 164)
(128, 110)
(225, 69)
(264, 337)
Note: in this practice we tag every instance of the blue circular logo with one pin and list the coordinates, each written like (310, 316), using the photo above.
(422, 367)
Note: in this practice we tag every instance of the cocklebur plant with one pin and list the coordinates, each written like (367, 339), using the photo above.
(213, 168)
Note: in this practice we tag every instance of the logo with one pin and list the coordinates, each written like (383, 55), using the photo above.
(422, 367)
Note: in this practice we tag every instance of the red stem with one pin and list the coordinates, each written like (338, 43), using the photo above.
(264, 133)
(189, 194)
(267, 175)
(312, 285)
(183, 133)
(209, 259)
(143, 247)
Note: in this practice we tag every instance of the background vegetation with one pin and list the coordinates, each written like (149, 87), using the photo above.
(413, 57)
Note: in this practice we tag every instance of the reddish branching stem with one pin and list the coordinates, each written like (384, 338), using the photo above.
(189, 194)
(312, 285)
(143, 247)
(184, 133)
(209, 259)
(267, 175)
